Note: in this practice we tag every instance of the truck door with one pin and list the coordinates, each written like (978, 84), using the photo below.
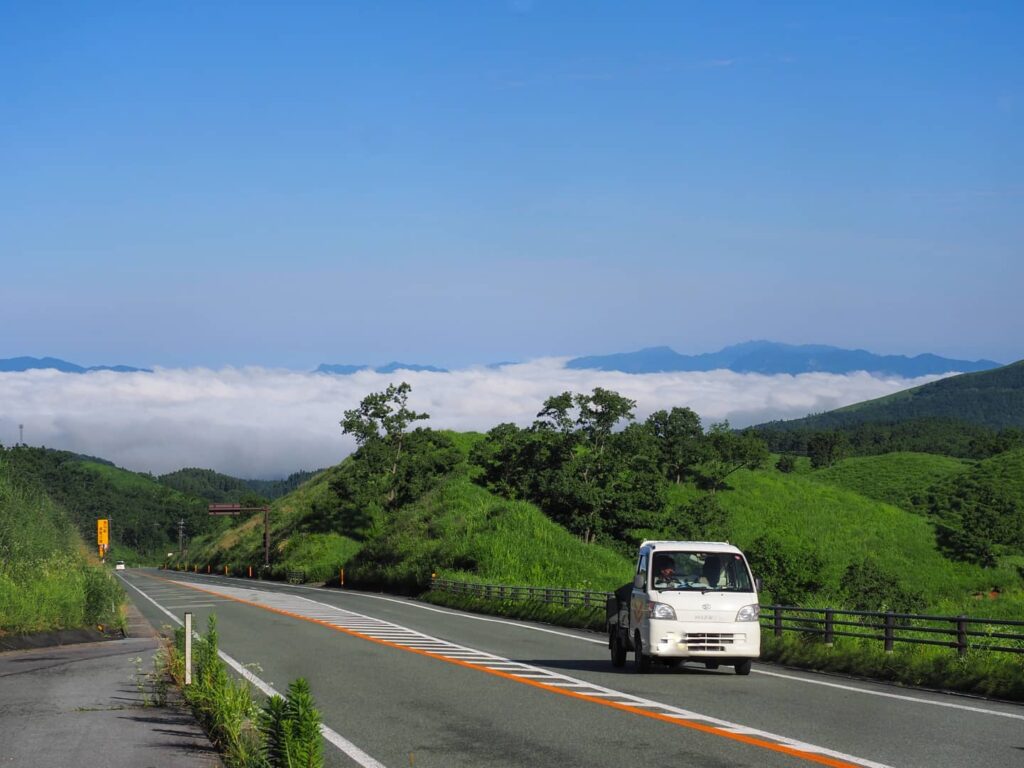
(639, 598)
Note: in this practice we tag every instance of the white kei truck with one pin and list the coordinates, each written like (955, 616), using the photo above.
(689, 601)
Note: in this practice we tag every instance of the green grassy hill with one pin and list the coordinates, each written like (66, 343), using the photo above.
(993, 399)
(46, 579)
(901, 479)
(842, 527)
(458, 530)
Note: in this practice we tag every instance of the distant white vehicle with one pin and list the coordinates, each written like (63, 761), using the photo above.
(119, 565)
(689, 601)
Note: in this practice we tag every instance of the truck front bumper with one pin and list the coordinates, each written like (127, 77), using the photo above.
(712, 640)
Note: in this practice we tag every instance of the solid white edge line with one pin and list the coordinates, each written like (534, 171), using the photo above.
(335, 738)
(851, 688)
(901, 697)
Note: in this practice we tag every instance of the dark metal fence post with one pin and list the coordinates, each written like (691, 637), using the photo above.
(829, 630)
(961, 635)
(777, 611)
(890, 630)
(565, 598)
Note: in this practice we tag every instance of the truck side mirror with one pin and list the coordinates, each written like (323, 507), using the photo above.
(640, 581)
(758, 584)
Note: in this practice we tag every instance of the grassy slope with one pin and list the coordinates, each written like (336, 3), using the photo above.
(992, 398)
(900, 479)
(456, 525)
(46, 580)
(843, 527)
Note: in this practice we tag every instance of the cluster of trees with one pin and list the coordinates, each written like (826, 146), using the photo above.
(392, 465)
(589, 466)
(584, 461)
(928, 435)
(215, 487)
(979, 514)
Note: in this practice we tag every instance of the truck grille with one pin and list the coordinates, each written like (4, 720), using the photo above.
(710, 641)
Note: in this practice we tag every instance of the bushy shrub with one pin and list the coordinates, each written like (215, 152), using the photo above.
(790, 572)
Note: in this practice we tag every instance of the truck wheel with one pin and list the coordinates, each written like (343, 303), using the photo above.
(641, 661)
(618, 650)
(743, 667)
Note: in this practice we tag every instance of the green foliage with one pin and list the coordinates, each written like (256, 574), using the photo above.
(681, 442)
(461, 531)
(730, 452)
(901, 479)
(790, 571)
(215, 488)
(703, 519)
(946, 436)
(826, 448)
(786, 463)
(291, 728)
(46, 580)
(865, 586)
(144, 514)
(992, 399)
(980, 512)
(981, 673)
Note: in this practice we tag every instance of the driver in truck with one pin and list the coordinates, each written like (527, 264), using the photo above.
(664, 572)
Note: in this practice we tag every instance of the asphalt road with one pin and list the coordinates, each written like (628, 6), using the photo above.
(401, 683)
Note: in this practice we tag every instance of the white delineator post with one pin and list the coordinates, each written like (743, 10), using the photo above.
(188, 649)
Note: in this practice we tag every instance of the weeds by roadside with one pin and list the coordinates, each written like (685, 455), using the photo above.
(283, 733)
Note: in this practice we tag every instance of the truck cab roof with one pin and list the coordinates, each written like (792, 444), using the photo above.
(703, 546)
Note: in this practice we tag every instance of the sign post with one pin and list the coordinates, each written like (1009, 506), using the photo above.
(103, 536)
(188, 649)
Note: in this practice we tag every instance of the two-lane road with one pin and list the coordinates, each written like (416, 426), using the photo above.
(402, 683)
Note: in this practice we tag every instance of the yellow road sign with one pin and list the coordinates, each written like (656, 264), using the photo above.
(103, 531)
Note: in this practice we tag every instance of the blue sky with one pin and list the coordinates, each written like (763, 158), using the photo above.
(285, 184)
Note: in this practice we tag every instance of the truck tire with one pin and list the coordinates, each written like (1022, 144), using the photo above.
(743, 667)
(641, 661)
(618, 649)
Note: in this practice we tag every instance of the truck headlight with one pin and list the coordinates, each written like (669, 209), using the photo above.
(749, 613)
(662, 611)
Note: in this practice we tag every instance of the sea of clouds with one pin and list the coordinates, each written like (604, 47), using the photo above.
(267, 423)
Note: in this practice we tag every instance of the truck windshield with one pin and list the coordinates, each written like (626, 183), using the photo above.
(701, 571)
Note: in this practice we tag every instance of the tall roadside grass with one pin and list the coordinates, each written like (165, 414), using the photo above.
(46, 580)
(283, 733)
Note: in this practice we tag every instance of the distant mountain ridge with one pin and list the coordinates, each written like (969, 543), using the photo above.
(993, 399)
(769, 357)
(19, 364)
(341, 369)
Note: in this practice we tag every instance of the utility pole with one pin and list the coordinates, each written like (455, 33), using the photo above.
(21, 434)
(181, 536)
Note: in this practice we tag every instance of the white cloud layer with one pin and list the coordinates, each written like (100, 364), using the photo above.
(256, 422)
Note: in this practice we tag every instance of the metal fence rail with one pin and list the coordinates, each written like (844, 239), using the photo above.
(961, 633)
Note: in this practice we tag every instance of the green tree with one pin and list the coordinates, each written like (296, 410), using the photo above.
(786, 463)
(681, 441)
(730, 452)
(826, 448)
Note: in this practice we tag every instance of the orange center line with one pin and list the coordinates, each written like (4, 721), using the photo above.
(702, 727)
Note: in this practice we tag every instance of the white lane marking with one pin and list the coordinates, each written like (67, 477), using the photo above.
(852, 688)
(899, 696)
(330, 734)
(287, 602)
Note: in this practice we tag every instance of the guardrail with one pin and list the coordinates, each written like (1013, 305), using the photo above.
(961, 633)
